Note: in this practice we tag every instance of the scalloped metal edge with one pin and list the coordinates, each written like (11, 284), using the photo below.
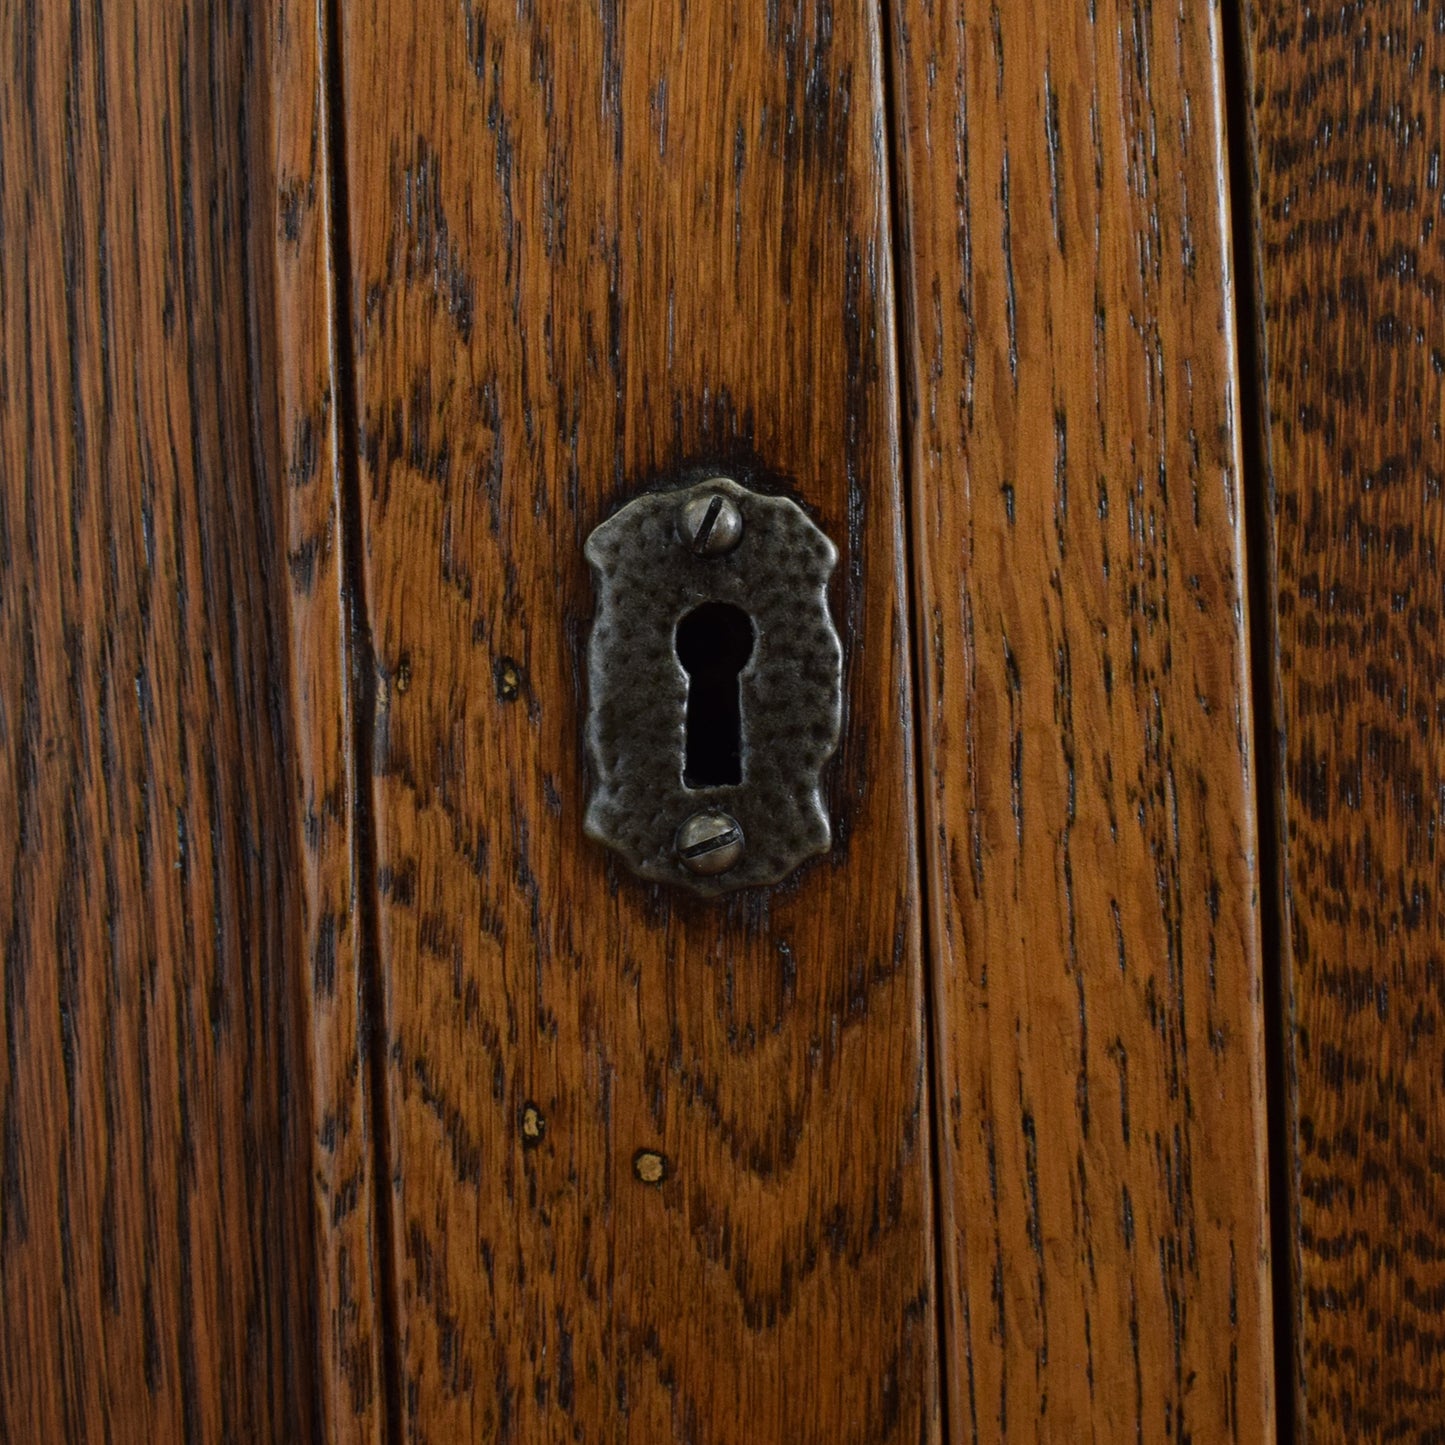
(646, 580)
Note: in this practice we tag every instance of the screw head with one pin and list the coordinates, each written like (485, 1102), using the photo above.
(711, 524)
(710, 843)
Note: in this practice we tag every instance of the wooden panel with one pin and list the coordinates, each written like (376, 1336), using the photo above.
(330, 955)
(660, 1167)
(154, 1251)
(1087, 748)
(1348, 112)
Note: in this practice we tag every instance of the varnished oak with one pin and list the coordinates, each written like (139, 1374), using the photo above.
(155, 1241)
(1349, 113)
(347, 1092)
(659, 1168)
(1088, 775)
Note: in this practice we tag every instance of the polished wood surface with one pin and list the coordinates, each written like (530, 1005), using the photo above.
(1349, 129)
(660, 1167)
(348, 1093)
(155, 1270)
(1085, 716)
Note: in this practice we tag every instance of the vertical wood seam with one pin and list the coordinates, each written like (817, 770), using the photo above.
(1257, 520)
(904, 402)
(361, 673)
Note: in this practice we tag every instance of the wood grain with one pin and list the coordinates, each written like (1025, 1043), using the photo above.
(331, 955)
(660, 1167)
(1083, 658)
(154, 1241)
(1349, 128)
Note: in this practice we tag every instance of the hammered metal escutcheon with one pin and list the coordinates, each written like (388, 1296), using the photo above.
(715, 681)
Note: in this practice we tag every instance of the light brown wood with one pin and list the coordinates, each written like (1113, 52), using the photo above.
(660, 1167)
(329, 956)
(155, 1269)
(1086, 725)
(1349, 125)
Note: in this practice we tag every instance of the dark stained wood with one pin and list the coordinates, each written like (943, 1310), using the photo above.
(1349, 110)
(1086, 721)
(330, 955)
(660, 1167)
(155, 1270)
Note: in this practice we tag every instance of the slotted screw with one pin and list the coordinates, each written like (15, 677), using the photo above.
(710, 843)
(711, 524)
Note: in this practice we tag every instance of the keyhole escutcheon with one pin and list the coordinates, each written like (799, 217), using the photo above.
(714, 643)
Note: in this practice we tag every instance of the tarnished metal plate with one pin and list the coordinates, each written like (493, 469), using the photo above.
(648, 578)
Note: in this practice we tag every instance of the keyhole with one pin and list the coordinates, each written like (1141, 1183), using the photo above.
(713, 643)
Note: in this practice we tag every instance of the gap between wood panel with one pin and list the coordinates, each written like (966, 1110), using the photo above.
(904, 324)
(1250, 343)
(372, 1024)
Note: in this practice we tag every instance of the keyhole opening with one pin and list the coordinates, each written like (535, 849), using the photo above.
(713, 644)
